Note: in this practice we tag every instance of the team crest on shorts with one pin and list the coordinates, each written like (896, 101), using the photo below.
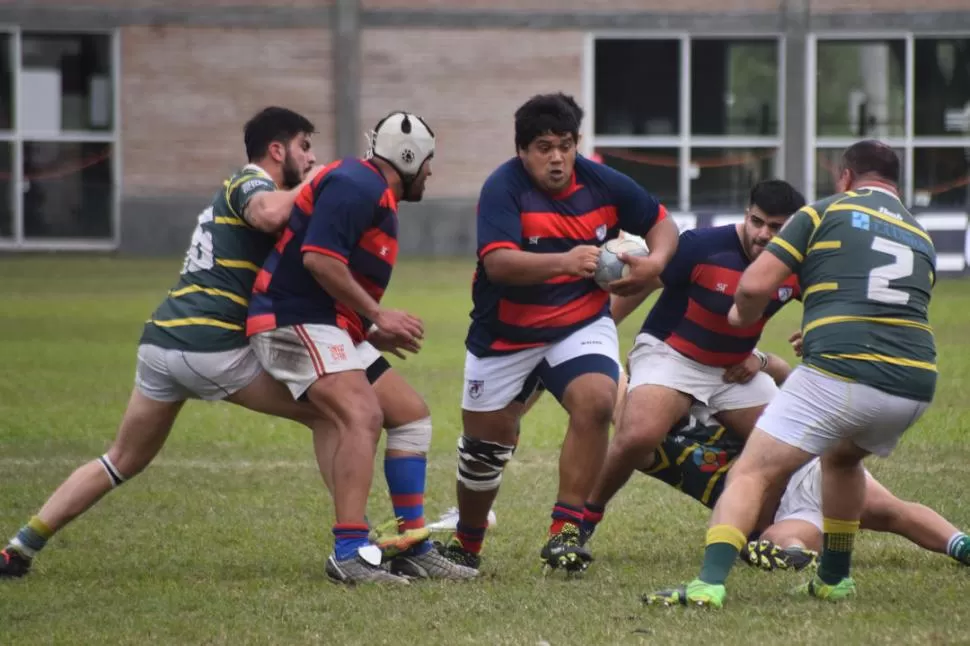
(601, 232)
(784, 293)
(475, 388)
(708, 460)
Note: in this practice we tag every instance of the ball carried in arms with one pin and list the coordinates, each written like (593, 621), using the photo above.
(610, 267)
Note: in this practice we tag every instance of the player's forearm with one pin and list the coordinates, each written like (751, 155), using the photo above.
(662, 239)
(335, 277)
(622, 306)
(750, 306)
(269, 211)
(513, 267)
(777, 368)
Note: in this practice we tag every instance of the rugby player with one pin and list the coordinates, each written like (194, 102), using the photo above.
(868, 372)
(314, 303)
(686, 352)
(538, 315)
(194, 345)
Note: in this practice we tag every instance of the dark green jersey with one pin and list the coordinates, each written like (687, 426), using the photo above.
(206, 310)
(866, 269)
(695, 459)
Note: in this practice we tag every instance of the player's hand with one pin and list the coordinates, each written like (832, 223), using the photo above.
(407, 328)
(396, 345)
(643, 271)
(581, 261)
(742, 373)
(796, 342)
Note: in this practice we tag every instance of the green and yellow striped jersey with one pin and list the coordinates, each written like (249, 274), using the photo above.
(866, 269)
(206, 310)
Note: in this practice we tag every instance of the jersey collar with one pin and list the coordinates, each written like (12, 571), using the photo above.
(873, 187)
(256, 168)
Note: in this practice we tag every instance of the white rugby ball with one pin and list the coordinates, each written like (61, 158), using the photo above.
(610, 267)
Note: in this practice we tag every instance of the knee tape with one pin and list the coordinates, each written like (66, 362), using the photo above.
(113, 474)
(480, 463)
(413, 436)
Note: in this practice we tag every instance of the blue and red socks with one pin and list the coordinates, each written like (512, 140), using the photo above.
(563, 514)
(406, 477)
(349, 537)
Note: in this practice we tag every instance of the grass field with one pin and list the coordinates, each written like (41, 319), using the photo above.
(224, 539)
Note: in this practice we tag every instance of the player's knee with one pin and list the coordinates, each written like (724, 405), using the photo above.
(121, 466)
(413, 437)
(481, 463)
(595, 412)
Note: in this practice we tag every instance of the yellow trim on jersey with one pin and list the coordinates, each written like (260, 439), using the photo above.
(812, 213)
(820, 287)
(827, 320)
(238, 264)
(198, 320)
(882, 358)
(784, 244)
(717, 435)
(830, 374)
(663, 464)
(824, 245)
(195, 289)
(690, 449)
(714, 478)
(882, 216)
(234, 221)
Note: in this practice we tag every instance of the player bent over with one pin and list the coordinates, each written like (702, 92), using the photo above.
(313, 303)
(194, 346)
(538, 315)
(868, 369)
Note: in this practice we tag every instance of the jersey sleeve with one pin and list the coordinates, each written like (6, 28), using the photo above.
(240, 191)
(791, 243)
(637, 209)
(499, 218)
(341, 214)
(677, 272)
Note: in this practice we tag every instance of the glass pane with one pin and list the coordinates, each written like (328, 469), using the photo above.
(721, 178)
(942, 87)
(861, 89)
(827, 162)
(68, 190)
(6, 189)
(637, 87)
(734, 87)
(942, 177)
(6, 83)
(656, 169)
(66, 81)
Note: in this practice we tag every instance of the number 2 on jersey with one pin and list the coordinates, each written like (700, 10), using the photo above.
(879, 278)
(199, 256)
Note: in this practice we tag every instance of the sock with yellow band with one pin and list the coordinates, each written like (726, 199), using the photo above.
(838, 541)
(724, 542)
(31, 538)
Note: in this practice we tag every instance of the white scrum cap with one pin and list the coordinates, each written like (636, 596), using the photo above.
(404, 141)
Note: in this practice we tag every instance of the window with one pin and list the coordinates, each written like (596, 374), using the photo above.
(694, 120)
(864, 89)
(57, 167)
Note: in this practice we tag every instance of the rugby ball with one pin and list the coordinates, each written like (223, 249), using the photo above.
(610, 267)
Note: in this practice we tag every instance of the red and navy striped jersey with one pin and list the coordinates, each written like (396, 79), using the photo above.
(699, 285)
(346, 212)
(514, 214)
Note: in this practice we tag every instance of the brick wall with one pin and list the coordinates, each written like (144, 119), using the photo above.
(186, 93)
(467, 85)
(574, 6)
(179, 4)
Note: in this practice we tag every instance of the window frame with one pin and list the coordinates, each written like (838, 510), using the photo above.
(685, 141)
(18, 137)
(909, 141)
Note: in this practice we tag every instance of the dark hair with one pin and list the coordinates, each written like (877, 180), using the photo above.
(871, 156)
(273, 124)
(776, 197)
(557, 113)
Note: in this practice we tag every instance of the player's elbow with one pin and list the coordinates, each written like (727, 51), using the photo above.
(497, 267)
(662, 239)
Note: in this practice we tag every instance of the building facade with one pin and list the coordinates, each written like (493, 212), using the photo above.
(118, 118)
